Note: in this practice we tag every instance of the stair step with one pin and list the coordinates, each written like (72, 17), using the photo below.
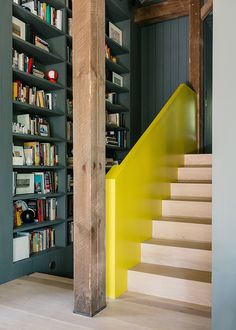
(194, 173)
(198, 159)
(176, 253)
(182, 229)
(191, 189)
(181, 284)
(195, 181)
(190, 198)
(193, 220)
(187, 208)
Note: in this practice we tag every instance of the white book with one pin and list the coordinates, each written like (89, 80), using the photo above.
(59, 19)
(24, 120)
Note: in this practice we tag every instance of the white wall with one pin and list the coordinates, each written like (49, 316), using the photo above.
(224, 166)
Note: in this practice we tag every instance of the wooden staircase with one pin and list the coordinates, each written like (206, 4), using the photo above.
(176, 262)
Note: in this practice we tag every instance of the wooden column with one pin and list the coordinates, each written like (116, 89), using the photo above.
(89, 155)
(196, 60)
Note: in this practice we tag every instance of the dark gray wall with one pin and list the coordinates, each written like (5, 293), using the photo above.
(224, 166)
(164, 64)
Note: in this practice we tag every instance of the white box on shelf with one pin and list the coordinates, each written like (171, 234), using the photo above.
(21, 248)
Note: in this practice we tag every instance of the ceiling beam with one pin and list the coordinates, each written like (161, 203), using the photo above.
(206, 9)
(166, 10)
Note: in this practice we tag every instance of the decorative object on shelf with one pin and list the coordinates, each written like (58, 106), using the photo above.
(44, 129)
(52, 75)
(28, 216)
(108, 54)
(115, 33)
(18, 155)
(18, 28)
(117, 79)
(24, 183)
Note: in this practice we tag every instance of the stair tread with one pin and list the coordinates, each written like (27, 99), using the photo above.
(191, 199)
(176, 272)
(196, 166)
(201, 221)
(180, 243)
(193, 181)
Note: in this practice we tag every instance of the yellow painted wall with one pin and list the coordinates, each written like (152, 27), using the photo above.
(136, 187)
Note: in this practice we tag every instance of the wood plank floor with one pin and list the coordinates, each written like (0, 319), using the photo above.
(46, 302)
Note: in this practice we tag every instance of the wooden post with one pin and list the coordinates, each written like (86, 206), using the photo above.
(196, 61)
(89, 156)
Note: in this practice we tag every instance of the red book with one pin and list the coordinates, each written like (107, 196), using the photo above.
(30, 65)
(39, 210)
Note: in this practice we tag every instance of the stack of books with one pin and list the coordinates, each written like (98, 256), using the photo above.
(41, 43)
(45, 11)
(116, 138)
(33, 96)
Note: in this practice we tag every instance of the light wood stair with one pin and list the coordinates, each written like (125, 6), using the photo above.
(176, 262)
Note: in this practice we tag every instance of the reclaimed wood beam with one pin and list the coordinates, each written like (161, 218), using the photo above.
(196, 61)
(206, 9)
(162, 11)
(89, 156)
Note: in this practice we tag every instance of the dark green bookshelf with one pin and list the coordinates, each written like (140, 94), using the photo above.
(111, 127)
(115, 47)
(116, 67)
(38, 53)
(34, 226)
(34, 110)
(111, 87)
(62, 253)
(115, 108)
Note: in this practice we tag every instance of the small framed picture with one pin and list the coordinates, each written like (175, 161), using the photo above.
(18, 28)
(117, 79)
(24, 183)
(39, 183)
(115, 33)
(18, 156)
(44, 129)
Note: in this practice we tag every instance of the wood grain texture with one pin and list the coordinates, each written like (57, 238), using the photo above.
(196, 61)
(89, 155)
(163, 11)
(206, 9)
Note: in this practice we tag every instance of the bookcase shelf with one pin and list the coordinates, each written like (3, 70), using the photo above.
(116, 49)
(37, 168)
(37, 196)
(32, 80)
(34, 226)
(33, 109)
(113, 88)
(115, 108)
(116, 67)
(36, 138)
(40, 26)
(111, 127)
(38, 53)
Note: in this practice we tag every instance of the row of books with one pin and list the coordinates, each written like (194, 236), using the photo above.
(69, 26)
(111, 162)
(24, 63)
(117, 119)
(41, 240)
(35, 153)
(116, 139)
(38, 182)
(44, 210)
(33, 96)
(45, 11)
(70, 182)
(69, 131)
(33, 125)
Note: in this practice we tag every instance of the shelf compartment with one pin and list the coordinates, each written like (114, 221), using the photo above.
(38, 168)
(36, 138)
(115, 108)
(116, 67)
(111, 127)
(113, 88)
(34, 110)
(115, 48)
(40, 26)
(32, 80)
(37, 196)
(33, 226)
(39, 54)
(115, 148)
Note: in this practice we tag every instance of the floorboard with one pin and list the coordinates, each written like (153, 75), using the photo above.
(46, 302)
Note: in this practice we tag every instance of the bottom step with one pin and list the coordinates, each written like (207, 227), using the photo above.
(187, 285)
